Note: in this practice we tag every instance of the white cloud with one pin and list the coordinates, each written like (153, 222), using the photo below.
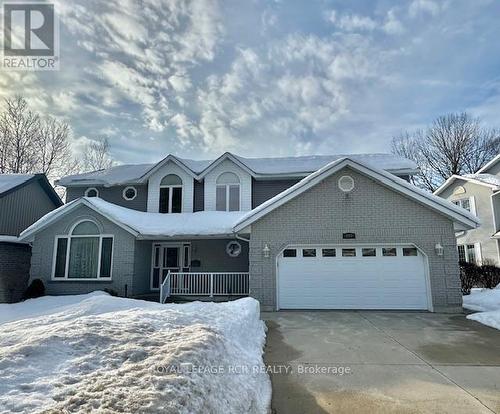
(350, 22)
(286, 95)
(392, 25)
(419, 7)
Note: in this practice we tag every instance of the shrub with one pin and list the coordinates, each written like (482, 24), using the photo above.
(490, 276)
(469, 276)
(36, 289)
(111, 292)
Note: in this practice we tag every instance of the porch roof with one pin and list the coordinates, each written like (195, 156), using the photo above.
(145, 225)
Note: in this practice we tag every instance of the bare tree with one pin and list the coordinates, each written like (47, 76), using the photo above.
(453, 144)
(19, 128)
(97, 155)
(32, 144)
(53, 148)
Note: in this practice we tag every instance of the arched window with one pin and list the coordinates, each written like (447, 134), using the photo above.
(170, 194)
(84, 254)
(228, 192)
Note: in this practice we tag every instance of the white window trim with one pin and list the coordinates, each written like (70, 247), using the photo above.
(227, 189)
(89, 189)
(69, 236)
(477, 252)
(161, 245)
(125, 191)
(170, 195)
(472, 203)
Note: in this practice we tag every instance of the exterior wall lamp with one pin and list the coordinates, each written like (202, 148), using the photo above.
(439, 249)
(266, 251)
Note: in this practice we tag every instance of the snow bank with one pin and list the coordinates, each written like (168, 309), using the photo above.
(97, 352)
(482, 300)
(491, 319)
(487, 303)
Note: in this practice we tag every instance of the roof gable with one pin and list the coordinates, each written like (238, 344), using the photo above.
(493, 163)
(457, 214)
(13, 182)
(486, 180)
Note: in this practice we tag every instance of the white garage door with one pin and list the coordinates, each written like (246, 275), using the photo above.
(346, 277)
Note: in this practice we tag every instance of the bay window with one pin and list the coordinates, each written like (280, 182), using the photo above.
(84, 254)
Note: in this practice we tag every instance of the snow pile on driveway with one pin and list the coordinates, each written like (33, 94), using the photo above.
(97, 352)
(487, 303)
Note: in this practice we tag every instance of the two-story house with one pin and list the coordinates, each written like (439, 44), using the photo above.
(479, 194)
(24, 198)
(329, 232)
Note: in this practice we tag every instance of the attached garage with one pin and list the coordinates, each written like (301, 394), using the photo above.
(352, 277)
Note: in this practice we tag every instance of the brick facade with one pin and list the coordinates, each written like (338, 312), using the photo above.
(14, 271)
(375, 213)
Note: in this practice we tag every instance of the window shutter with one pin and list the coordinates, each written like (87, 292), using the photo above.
(106, 254)
(220, 198)
(472, 202)
(477, 249)
(60, 264)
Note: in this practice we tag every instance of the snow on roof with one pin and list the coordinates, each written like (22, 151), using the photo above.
(119, 174)
(9, 181)
(124, 174)
(485, 178)
(144, 224)
(309, 164)
(380, 174)
(10, 239)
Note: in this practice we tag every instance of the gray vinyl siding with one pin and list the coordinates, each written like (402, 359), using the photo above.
(263, 190)
(123, 256)
(199, 196)
(484, 210)
(22, 207)
(375, 213)
(142, 267)
(114, 195)
(210, 253)
(494, 169)
(496, 211)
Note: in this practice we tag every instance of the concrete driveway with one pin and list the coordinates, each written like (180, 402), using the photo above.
(398, 362)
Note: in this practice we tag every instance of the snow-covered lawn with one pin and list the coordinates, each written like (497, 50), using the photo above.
(98, 352)
(487, 303)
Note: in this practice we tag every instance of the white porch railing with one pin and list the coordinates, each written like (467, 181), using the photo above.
(204, 284)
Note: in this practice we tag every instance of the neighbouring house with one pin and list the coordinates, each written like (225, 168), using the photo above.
(24, 198)
(316, 232)
(479, 194)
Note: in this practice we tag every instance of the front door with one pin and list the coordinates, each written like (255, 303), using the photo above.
(173, 257)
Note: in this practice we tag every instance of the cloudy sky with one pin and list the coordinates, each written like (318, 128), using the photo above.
(197, 78)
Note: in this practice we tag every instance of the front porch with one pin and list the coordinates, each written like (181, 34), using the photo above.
(196, 269)
(192, 285)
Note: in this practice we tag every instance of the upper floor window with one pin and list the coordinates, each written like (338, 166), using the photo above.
(84, 254)
(228, 192)
(464, 203)
(170, 194)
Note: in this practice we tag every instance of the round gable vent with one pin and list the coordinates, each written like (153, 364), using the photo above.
(346, 183)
